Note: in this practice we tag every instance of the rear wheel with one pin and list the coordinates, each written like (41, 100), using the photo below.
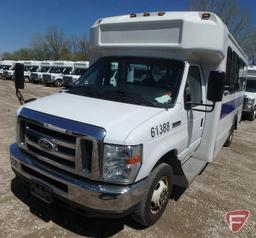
(156, 198)
(230, 137)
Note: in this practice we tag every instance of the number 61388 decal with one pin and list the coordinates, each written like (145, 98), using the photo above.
(160, 129)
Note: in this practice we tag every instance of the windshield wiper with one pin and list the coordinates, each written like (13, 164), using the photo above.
(128, 97)
(83, 91)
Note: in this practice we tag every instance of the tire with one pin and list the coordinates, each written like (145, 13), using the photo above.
(230, 137)
(26, 79)
(155, 200)
(252, 115)
(58, 83)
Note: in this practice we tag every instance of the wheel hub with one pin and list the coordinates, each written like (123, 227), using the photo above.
(160, 195)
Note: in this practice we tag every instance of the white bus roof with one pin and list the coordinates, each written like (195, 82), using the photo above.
(46, 63)
(31, 62)
(7, 62)
(81, 64)
(63, 64)
(188, 35)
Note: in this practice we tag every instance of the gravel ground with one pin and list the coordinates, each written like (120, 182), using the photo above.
(228, 183)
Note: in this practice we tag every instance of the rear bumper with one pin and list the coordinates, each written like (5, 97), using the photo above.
(98, 197)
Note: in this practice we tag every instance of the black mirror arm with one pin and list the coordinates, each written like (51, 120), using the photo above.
(201, 104)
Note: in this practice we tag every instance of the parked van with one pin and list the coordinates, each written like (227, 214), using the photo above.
(56, 73)
(117, 146)
(45, 67)
(5, 65)
(79, 69)
(30, 66)
(7, 69)
(250, 94)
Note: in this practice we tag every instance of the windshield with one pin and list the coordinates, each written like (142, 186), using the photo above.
(61, 70)
(56, 70)
(251, 86)
(31, 68)
(6, 67)
(150, 82)
(79, 71)
(45, 69)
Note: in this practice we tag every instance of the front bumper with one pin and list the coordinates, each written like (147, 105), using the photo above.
(99, 197)
(248, 109)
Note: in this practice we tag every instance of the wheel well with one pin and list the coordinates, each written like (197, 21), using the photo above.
(171, 158)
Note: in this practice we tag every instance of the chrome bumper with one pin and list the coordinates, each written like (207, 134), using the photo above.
(101, 197)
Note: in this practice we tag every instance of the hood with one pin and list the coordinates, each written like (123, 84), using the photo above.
(250, 95)
(118, 119)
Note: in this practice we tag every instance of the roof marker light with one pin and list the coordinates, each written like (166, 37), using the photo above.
(161, 13)
(206, 16)
(146, 14)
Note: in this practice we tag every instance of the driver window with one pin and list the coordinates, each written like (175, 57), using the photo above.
(194, 85)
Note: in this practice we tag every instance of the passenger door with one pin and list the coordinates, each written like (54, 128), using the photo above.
(194, 92)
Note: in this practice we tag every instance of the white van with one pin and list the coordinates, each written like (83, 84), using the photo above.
(117, 146)
(56, 73)
(7, 69)
(250, 94)
(45, 67)
(30, 66)
(79, 69)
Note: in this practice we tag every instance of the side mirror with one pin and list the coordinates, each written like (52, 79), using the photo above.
(19, 76)
(215, 87)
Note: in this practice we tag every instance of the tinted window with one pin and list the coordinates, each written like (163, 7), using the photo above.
(194, 84)
(135, 80)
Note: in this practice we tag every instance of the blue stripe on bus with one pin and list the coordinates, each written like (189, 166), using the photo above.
(70, 125)
(230, 106)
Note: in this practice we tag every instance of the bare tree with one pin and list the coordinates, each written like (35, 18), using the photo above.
(53, 45)
(40, 47)
(83, 48)
(56, 42)
(238, 20)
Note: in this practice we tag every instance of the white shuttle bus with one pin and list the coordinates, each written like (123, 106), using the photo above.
(30, 66)
(79, 69)
(149, 113)
(7, 69)
(56, 73)
(250, 94)
(45, 67)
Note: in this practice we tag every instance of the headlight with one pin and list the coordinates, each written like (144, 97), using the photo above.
(121, 164)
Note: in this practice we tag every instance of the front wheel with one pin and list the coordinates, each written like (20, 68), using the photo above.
(156, 198)
(26, 79)
(59, 83)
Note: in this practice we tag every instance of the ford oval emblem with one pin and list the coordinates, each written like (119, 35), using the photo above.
(47, 144)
